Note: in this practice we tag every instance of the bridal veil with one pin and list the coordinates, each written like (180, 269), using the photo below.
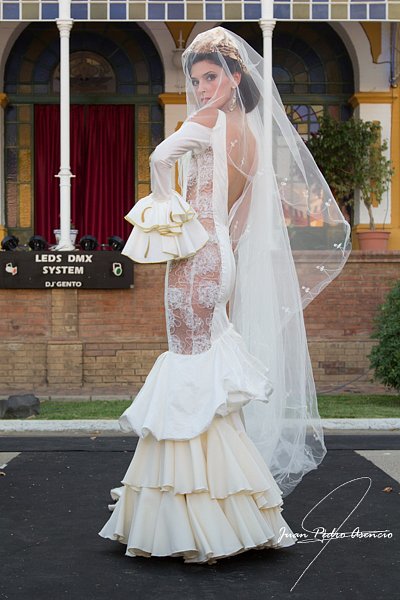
(290, 241)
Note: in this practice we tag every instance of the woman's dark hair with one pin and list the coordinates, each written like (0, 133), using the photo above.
(249, 93)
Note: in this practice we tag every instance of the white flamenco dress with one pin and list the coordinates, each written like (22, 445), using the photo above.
(196, 487)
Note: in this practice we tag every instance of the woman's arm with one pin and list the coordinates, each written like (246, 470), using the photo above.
(194, 135)
(165, 225)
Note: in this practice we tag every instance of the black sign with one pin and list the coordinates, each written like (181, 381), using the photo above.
(62, 270)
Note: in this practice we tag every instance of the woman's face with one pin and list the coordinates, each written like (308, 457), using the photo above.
(212, 86)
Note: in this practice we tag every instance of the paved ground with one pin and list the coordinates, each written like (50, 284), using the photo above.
(53, 500)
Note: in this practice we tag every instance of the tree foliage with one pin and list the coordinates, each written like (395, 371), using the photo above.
(352, 157)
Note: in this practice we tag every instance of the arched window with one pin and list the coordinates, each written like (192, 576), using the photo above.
(311, 68)
(89, 73)
(113, 64)
(314, 76)
(313, 72)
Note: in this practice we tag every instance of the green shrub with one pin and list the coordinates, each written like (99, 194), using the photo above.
(385, 356)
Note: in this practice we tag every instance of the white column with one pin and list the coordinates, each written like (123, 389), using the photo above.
(267, 25)
(64, 25)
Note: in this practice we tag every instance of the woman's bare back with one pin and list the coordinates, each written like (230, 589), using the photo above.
(241, 151)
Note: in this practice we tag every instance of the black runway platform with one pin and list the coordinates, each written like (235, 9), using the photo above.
(53, 502)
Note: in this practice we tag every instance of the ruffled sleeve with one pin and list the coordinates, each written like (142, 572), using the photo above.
(165, 225)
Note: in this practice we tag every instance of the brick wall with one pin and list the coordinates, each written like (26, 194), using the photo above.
(340, 320)
(104, 342)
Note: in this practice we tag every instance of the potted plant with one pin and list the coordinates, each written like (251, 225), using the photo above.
(352, 157)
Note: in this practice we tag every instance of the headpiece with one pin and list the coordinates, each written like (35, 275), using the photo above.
(216, 39)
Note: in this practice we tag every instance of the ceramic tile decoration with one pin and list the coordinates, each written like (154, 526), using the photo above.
(203, 10)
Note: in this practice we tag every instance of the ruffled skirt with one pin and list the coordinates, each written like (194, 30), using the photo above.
(205, 498)
(183, 392)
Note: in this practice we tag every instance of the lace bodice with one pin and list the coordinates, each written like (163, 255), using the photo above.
(193, 284)
(190, 233)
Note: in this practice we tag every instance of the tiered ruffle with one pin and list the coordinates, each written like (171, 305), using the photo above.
(164, 229)
(203, 499)
(183, 392)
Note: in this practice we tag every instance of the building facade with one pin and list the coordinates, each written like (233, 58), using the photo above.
(127, 94)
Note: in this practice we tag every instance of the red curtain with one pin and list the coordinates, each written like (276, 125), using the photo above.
(102, 159)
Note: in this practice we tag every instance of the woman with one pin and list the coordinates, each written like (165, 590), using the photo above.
(229, 411)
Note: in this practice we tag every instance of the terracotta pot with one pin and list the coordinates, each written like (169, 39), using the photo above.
(373, 240)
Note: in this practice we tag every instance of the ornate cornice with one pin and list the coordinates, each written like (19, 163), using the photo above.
(3, 100)
(171, 98)
(372, 98)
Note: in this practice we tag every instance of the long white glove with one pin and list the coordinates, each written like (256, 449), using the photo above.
(165, 225)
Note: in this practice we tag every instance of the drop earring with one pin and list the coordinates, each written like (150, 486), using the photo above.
(233, 103)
